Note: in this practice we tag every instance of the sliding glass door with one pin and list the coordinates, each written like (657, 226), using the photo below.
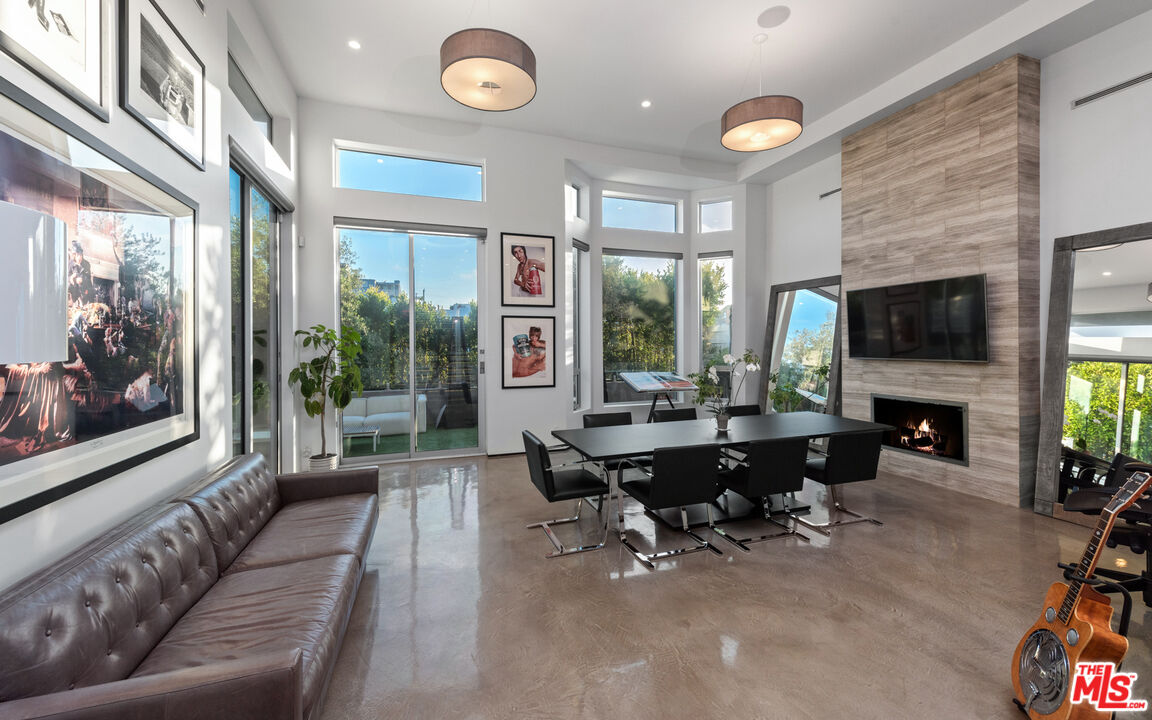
(413, 297)
(255, 288)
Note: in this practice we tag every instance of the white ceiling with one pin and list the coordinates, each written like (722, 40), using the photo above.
(597, 59)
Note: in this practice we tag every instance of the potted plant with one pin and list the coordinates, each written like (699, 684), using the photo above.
(711, 394)
(332, 376)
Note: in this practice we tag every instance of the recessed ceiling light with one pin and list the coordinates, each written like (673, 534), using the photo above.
(645, 103)
(1107, 273)
(354, 44)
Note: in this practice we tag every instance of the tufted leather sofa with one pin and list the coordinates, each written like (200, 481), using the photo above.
(228, 602)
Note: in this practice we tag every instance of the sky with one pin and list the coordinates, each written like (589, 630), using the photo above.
(809, 311)
(445, 266)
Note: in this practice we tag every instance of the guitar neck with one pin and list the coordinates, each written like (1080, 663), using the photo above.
(1087, 564)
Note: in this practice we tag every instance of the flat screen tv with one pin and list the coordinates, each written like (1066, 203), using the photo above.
(932, 320)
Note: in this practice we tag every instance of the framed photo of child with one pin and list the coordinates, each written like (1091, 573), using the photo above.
(527, 275)
(525, 358)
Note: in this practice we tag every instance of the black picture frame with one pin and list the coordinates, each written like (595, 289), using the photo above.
(36, 480)
(161, 79)
(518, 356)
(541, 273)
(85, 73)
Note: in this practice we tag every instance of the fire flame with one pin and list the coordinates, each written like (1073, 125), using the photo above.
(924, 427)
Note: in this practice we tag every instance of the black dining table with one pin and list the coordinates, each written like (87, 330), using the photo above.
(621, 441)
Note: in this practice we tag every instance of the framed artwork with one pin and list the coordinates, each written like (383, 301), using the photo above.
(527, 275)
(122, 386)
(162, 80)
(525, 361)
(66, 42)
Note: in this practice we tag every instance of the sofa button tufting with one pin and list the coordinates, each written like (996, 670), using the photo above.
(109, 651)
(87, 603)
(71, 686)
(117, 581)
(48, 632)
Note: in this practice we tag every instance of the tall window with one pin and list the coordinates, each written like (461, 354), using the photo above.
(715, 273)
(243, 91)
(409, 176)
(633, 214)
(254, 239)
(715, 216)
(579, 257)
(639, 317)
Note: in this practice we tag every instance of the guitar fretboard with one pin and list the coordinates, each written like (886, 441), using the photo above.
(1087, 565)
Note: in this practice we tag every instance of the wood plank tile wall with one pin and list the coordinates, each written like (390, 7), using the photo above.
(951, 186)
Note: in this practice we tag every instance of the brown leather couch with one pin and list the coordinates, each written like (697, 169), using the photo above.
(228, 602)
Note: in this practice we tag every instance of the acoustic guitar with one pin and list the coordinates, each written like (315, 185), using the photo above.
(1075, 627)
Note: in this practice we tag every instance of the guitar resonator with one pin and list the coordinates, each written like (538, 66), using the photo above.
(1043, 672)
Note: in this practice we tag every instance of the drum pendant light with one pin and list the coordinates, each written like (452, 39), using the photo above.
(487, 69)
(763, 122)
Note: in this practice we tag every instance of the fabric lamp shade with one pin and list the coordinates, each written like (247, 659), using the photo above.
(33, 286)
(487, 69)
(762, 123)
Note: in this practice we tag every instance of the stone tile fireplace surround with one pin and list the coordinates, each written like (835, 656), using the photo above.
(949, 187)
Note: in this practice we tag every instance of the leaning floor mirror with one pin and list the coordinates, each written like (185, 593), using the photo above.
(802, 348)
(1096, 411)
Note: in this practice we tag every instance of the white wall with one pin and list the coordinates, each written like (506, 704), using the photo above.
(41, 536)
(803, 230)
(1096, 160)
(524, 176)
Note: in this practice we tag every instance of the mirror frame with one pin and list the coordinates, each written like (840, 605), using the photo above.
(834, 407)
(1056, 353)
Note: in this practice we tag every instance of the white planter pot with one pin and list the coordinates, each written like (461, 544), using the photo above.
(330, 461)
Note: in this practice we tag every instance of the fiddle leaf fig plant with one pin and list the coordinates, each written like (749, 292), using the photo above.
(332, 376)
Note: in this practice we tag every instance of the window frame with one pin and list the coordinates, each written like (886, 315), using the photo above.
(677, 316)
(401, 154)
(700, 215)
(579, 255)
(232, 63)
(700, 260)
(677, 206)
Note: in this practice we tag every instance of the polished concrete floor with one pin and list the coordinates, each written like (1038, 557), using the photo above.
(461, 616)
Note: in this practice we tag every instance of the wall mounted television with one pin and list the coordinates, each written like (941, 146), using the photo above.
(932, 320)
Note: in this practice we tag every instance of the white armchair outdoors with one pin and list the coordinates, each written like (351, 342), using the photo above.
(389, 414)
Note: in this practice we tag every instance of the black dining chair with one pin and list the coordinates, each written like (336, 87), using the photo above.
(768, 467)
(679, 477)
(611, 419)
(563, 482)
(851, 457)
(674, 414)
(743, 410)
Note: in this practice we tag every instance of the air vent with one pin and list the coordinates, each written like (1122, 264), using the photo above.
(830, 192)
(1108, 91)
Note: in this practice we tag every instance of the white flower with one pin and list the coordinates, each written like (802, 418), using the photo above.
(753, 367)
(713, 374)
(729, 359)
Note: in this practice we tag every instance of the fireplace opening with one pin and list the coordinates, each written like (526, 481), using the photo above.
(933, 428)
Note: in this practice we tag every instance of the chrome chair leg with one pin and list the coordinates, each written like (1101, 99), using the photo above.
(743, 543)
(822, 528)
(561, 550)
(646, 559)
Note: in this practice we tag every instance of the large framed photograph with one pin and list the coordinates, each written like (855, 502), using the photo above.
(525, 360)
(66, 42)
(527, 275)
(162, 80)
(109, 380)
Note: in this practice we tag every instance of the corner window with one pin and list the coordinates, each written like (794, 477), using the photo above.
(715, 272)
(356, 170)
(579, 258)
(243, 91)
(571, 202)
(632, 214)
(639, 318)
(715, 216)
